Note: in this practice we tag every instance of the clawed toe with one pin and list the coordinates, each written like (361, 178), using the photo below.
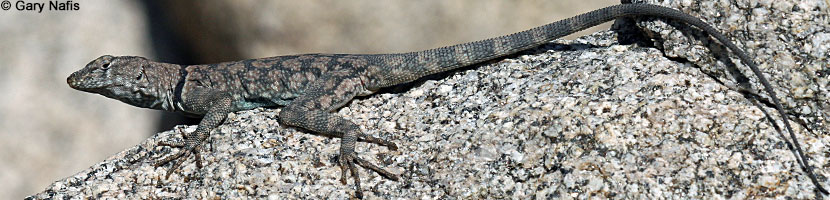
(373, 167)
(173, 143)
(372, 139)
(392, 146)
(178, 159)
(347, 164)
(165, 160)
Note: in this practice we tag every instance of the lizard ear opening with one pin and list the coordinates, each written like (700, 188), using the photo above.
(140, 74)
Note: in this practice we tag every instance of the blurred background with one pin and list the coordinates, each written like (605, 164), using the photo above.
(49, 131)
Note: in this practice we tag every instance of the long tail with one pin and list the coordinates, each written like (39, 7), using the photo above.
(415, 65)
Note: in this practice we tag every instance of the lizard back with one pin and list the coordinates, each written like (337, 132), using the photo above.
(272, 81)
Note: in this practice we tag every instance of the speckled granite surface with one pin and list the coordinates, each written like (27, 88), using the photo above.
(573, 119)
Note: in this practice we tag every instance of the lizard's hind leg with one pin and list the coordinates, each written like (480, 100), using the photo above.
(313, 111)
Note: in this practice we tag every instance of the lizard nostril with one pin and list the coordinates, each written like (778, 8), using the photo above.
(72, 80)
(69, 79)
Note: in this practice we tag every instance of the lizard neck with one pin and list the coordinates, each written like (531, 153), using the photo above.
(170, 79)
(174, 98)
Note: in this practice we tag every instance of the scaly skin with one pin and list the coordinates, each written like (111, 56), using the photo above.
(310, 87)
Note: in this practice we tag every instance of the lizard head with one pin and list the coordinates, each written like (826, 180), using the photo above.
(126, 78)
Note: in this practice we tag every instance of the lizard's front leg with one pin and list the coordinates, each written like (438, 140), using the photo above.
(216, 105)
(312, 111)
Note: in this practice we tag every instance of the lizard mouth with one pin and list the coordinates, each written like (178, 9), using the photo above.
(76, 82)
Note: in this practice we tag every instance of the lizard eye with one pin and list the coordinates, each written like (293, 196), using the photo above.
(106, 65)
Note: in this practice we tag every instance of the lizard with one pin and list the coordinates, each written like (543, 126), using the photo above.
(309, 87)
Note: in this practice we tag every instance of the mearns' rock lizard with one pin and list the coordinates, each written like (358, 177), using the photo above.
(310, 86)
